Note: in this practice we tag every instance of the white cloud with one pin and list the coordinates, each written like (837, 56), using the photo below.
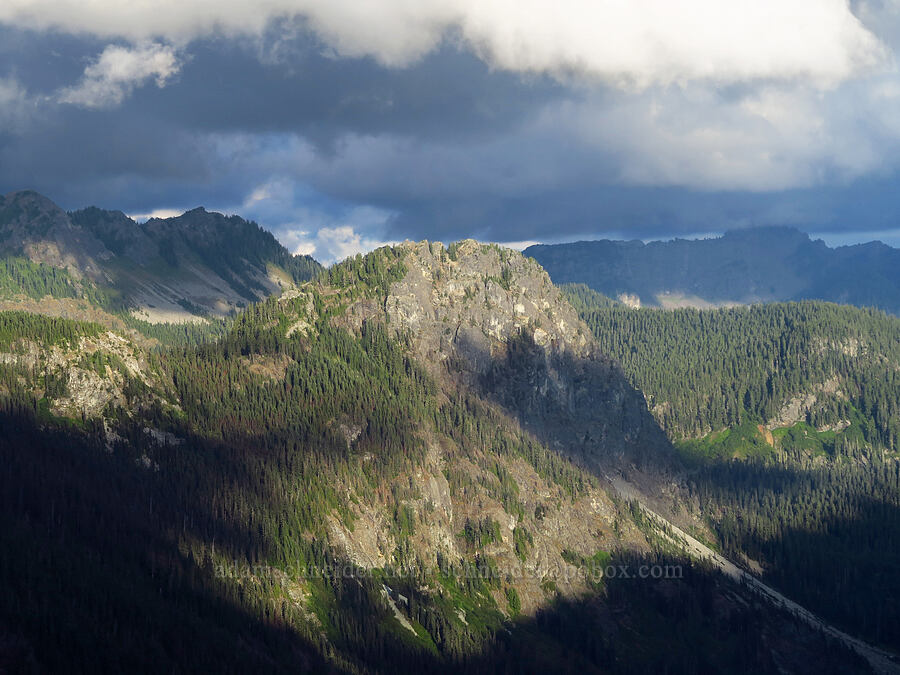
(769, 138)
(328, 232)
(638, 42)
(156, 213)
(660, 41)
(519, 245)
(307, 248)
(330, 244)
(333, 244)
(14, 104)
(119, 70)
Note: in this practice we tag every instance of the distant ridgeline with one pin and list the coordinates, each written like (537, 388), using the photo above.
(766, 264)
(180, 269)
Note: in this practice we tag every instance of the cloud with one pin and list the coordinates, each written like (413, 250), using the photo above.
(335, 154)
(333, 244)
(635, 43)
(660, 42)
(767, 138)
(155, 213)
(308, 224)
(519, 245)
(763, 138)
(330, 244)
(118, 70)
(14, 103)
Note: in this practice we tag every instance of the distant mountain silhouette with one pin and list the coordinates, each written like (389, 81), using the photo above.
(198, 263)
(764, 264)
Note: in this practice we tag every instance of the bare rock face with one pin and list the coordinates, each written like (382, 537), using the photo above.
(475, 298)
(493, 320)
(90, 387)
(557, 526)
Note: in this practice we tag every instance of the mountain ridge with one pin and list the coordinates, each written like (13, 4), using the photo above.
(764, 264)
(175, 269)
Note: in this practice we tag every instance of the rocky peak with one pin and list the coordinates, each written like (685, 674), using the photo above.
(119, 233)
(27, 215)
(190, 223)
(497, 338)
(174, 269)
(32, 225)
(476, 298)
(491, 319)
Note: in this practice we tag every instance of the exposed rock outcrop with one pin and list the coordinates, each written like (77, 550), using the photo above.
(493, 320)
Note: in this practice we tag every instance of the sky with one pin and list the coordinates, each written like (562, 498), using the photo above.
(343, 124)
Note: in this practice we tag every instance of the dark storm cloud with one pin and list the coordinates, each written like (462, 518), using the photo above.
(44, 61)
(157, 143)
(79, 157)
(449, 95)
(653, 213)
(225, 86)
(338, 151)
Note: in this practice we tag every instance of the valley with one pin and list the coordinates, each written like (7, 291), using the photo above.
(881, 661)
(785, 417)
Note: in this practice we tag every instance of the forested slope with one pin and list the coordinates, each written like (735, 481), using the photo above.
(823, 364)
(807, 395)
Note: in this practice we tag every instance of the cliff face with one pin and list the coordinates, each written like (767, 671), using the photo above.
(523, 392)
(491, 319)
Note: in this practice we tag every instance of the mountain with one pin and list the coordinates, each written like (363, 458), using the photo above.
(176, 269)
(398, 466)
(764, 264)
